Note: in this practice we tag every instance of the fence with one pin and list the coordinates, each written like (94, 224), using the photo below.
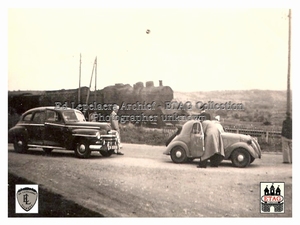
(264, 135)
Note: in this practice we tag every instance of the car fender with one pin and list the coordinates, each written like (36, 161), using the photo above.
(244, 145)
(79, 133)
(17, 130)
(173, 144)
(92, 133)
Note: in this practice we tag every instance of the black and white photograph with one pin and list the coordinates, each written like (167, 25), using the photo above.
(150, 111)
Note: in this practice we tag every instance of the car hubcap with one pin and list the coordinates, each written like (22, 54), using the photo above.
(82, 148)
(240, 158)
(178, 154)
(20, 143)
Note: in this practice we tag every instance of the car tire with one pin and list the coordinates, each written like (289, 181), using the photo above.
(178, 155)
(20, 144)
(107, 153)
(82, 149)
(47, 150)
(240, 157)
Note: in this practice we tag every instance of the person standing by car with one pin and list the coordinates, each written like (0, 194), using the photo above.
(218, 124)
(286, 138)
(114, 123)
(213, 144)
(205, 115)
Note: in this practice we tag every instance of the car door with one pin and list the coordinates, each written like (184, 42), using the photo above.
(54, 129)
(36, 128)
(197, 140)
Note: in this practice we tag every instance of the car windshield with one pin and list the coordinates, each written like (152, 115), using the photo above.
(75, 116)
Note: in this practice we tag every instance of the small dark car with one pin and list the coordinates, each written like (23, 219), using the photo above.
(62, 128)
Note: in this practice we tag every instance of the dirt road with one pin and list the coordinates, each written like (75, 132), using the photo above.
(146, 183)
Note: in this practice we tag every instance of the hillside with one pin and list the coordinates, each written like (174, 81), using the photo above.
(261, 108)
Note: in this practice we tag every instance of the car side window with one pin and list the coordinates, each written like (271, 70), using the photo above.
(39, 117)
(52, 116)
(27, 117)
(196, 128)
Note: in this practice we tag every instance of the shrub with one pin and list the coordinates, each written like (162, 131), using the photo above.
(142, 135)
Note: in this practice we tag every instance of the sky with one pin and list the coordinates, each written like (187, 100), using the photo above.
(189, 49)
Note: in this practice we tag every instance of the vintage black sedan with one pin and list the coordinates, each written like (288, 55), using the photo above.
(62, 128)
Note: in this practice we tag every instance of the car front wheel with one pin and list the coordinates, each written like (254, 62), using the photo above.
(20, 144)
(240, 157)
(82, 149)
(178, 155)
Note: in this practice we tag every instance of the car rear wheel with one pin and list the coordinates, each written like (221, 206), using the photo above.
(178, 155)
(20, 144)
(240, 157)
(82, 149)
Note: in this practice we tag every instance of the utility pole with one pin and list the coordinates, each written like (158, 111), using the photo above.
(88, 94)
(79, 79)
(288, 106)
(96, 80)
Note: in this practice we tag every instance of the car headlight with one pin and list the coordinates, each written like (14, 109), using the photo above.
(249, 142)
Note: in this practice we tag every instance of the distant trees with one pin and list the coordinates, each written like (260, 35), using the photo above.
(262, 116)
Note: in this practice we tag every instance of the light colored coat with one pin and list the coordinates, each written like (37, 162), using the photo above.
(213, 142)
(114, 123)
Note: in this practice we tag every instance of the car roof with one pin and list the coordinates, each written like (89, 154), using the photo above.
(188, 125)
(48, 107)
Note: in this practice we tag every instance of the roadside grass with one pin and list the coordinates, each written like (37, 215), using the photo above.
(144, 135)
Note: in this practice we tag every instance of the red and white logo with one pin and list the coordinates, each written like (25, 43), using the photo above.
(272, 197)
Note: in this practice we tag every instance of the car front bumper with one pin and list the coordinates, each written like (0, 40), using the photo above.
(106, 142)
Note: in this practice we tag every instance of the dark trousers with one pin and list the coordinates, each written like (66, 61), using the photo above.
(216, 159)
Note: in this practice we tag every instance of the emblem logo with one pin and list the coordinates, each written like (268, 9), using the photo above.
(272, 197)
(26, 196)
